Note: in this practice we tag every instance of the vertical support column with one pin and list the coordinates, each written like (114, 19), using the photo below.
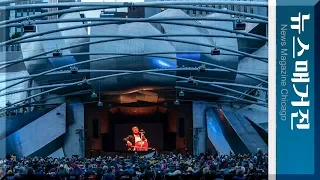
(262, 95)
(199, 127)
(74, 137)
(29, 94)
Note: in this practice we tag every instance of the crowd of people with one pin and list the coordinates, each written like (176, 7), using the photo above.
(135, 167)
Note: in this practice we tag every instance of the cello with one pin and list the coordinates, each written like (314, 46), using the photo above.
(141, 145)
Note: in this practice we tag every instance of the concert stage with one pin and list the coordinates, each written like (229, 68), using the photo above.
(167, 129)
(128, 153)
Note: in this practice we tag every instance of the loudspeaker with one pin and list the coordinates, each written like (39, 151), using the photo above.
(169, 141)
(181, 127)
(95, 128)
(106, 142)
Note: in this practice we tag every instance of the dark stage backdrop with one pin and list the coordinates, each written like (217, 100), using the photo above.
(154, 134)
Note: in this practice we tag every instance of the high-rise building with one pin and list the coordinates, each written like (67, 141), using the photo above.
(60, 8)
(17, 31)
(4, 32)
(248, 9)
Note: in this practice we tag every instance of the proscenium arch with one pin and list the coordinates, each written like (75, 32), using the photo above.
(131, 72)
(109, 76)
(119, 56)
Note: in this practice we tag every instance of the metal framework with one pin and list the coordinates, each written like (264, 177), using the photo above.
(13, 62)
(129, 73)
(163, 4)
(127, 55)
(161, 37)
(103, 23)
(128, 20)
(153, 72)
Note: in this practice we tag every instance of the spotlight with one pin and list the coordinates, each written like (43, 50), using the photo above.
(181, 93)
(165, 104)
(215, 51)
(85, 81)
(94, 95)
(238, 25)
(74, 70)
(176, 102)
(29, 28)
(8, 103)
(202, 68)
(190, 80)
(100, 104)
(57, 53)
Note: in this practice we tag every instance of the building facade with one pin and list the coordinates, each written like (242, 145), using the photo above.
(247, 9)
(56, 9)
(17, 31)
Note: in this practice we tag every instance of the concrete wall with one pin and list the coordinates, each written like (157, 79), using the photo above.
(184, 111)
(245, 131)
(74, 136)
(215, 132)
(199, 127)
(35, 135)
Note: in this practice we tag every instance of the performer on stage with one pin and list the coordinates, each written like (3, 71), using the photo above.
(137, 141)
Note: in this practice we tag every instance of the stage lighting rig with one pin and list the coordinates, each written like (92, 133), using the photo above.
(57, 53)
(215, 51)
(181, 93)
(74, 70)
(85, 81)
(176, 102)
(190, 80)
(8, 103)
(28, 27)
(238, 25)
(100, 104)
(94, 95)
(165, 105)
(202, 68)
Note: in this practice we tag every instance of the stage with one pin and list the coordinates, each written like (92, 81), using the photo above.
(167, 130)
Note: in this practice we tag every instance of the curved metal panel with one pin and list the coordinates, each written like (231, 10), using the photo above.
(251, 65)
(245, 131)
(31, 138)
(45, 64)
(215, 133)
(132, 62)
(230, 43)
(228, 61)
(78, 31)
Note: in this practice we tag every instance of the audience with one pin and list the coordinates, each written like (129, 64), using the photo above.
(158, 167)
